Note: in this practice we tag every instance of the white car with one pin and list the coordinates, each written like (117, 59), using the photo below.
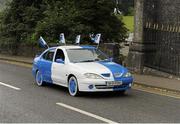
(81, 69)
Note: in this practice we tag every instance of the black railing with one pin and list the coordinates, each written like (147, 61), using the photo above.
(165, 55)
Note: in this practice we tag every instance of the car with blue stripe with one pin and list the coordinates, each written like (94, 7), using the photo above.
(80, 69)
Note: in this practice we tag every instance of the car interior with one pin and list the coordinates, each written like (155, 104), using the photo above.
(59, 55)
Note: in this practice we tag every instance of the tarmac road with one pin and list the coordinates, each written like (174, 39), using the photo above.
(21, 100)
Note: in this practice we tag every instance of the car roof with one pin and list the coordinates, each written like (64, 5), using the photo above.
(74, 47)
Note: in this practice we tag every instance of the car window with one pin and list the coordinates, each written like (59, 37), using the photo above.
(59, 55)
(48, 55)
(85, 55)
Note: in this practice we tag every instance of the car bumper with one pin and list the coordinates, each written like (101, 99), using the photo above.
(87, 85)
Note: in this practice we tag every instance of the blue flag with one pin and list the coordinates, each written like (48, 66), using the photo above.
(42, 43)
(62, 38)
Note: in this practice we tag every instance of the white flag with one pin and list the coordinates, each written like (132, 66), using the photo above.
(78, 38)
(97, 38)
(62, 38)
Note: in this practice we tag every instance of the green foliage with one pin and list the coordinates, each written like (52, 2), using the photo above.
(23, 21)
(19, 20)
(129, 22)
(3, 4)
(127, 7)
(130, 11)
(81, 17)
(60, 17)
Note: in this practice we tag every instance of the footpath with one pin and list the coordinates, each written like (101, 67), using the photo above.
(145, 80)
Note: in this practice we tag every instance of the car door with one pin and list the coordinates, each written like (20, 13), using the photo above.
(59, 69)
(46, 65)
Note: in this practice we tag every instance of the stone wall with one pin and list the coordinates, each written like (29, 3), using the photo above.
(162, 11)
(21, 50)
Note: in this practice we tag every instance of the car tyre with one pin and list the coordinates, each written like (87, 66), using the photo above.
(73, 86)
(39, 79)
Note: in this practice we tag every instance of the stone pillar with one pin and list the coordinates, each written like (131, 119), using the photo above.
(136, 53)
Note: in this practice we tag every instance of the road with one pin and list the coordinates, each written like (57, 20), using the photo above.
(21, 100)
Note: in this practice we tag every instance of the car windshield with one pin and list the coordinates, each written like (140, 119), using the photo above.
(86, 55)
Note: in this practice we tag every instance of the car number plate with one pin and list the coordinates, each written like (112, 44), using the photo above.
(114, 83)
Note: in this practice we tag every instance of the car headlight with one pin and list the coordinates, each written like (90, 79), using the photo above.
(128, 74)
(92, 76)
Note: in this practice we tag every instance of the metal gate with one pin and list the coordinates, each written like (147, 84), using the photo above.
(165, 51)
(162, 34)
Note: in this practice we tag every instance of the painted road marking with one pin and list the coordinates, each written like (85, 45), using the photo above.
(10, 86)
(86, 113)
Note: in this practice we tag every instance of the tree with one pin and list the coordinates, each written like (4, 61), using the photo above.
(81, 17)
(126, 7)
(25, 20)
(60, 17)
(19, 21)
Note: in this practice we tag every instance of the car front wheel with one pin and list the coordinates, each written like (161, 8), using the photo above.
(73, 86)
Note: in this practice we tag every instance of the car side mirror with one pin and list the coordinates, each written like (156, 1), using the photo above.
(60, 61)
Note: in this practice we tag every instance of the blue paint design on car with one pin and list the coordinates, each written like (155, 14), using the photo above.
(88, 47)
(39, 78)
(44, 66)
(35, 66)
(116, 68)
(120, 88)
(72, 86)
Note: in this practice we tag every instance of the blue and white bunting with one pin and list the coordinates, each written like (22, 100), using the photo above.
(62, 38)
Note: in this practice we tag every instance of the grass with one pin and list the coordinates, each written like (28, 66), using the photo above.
(129, 22)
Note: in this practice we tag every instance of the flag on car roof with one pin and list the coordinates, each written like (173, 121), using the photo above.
(62, 38)
(78, 39)
(91, 37)
(42, 43)
(97, 38)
